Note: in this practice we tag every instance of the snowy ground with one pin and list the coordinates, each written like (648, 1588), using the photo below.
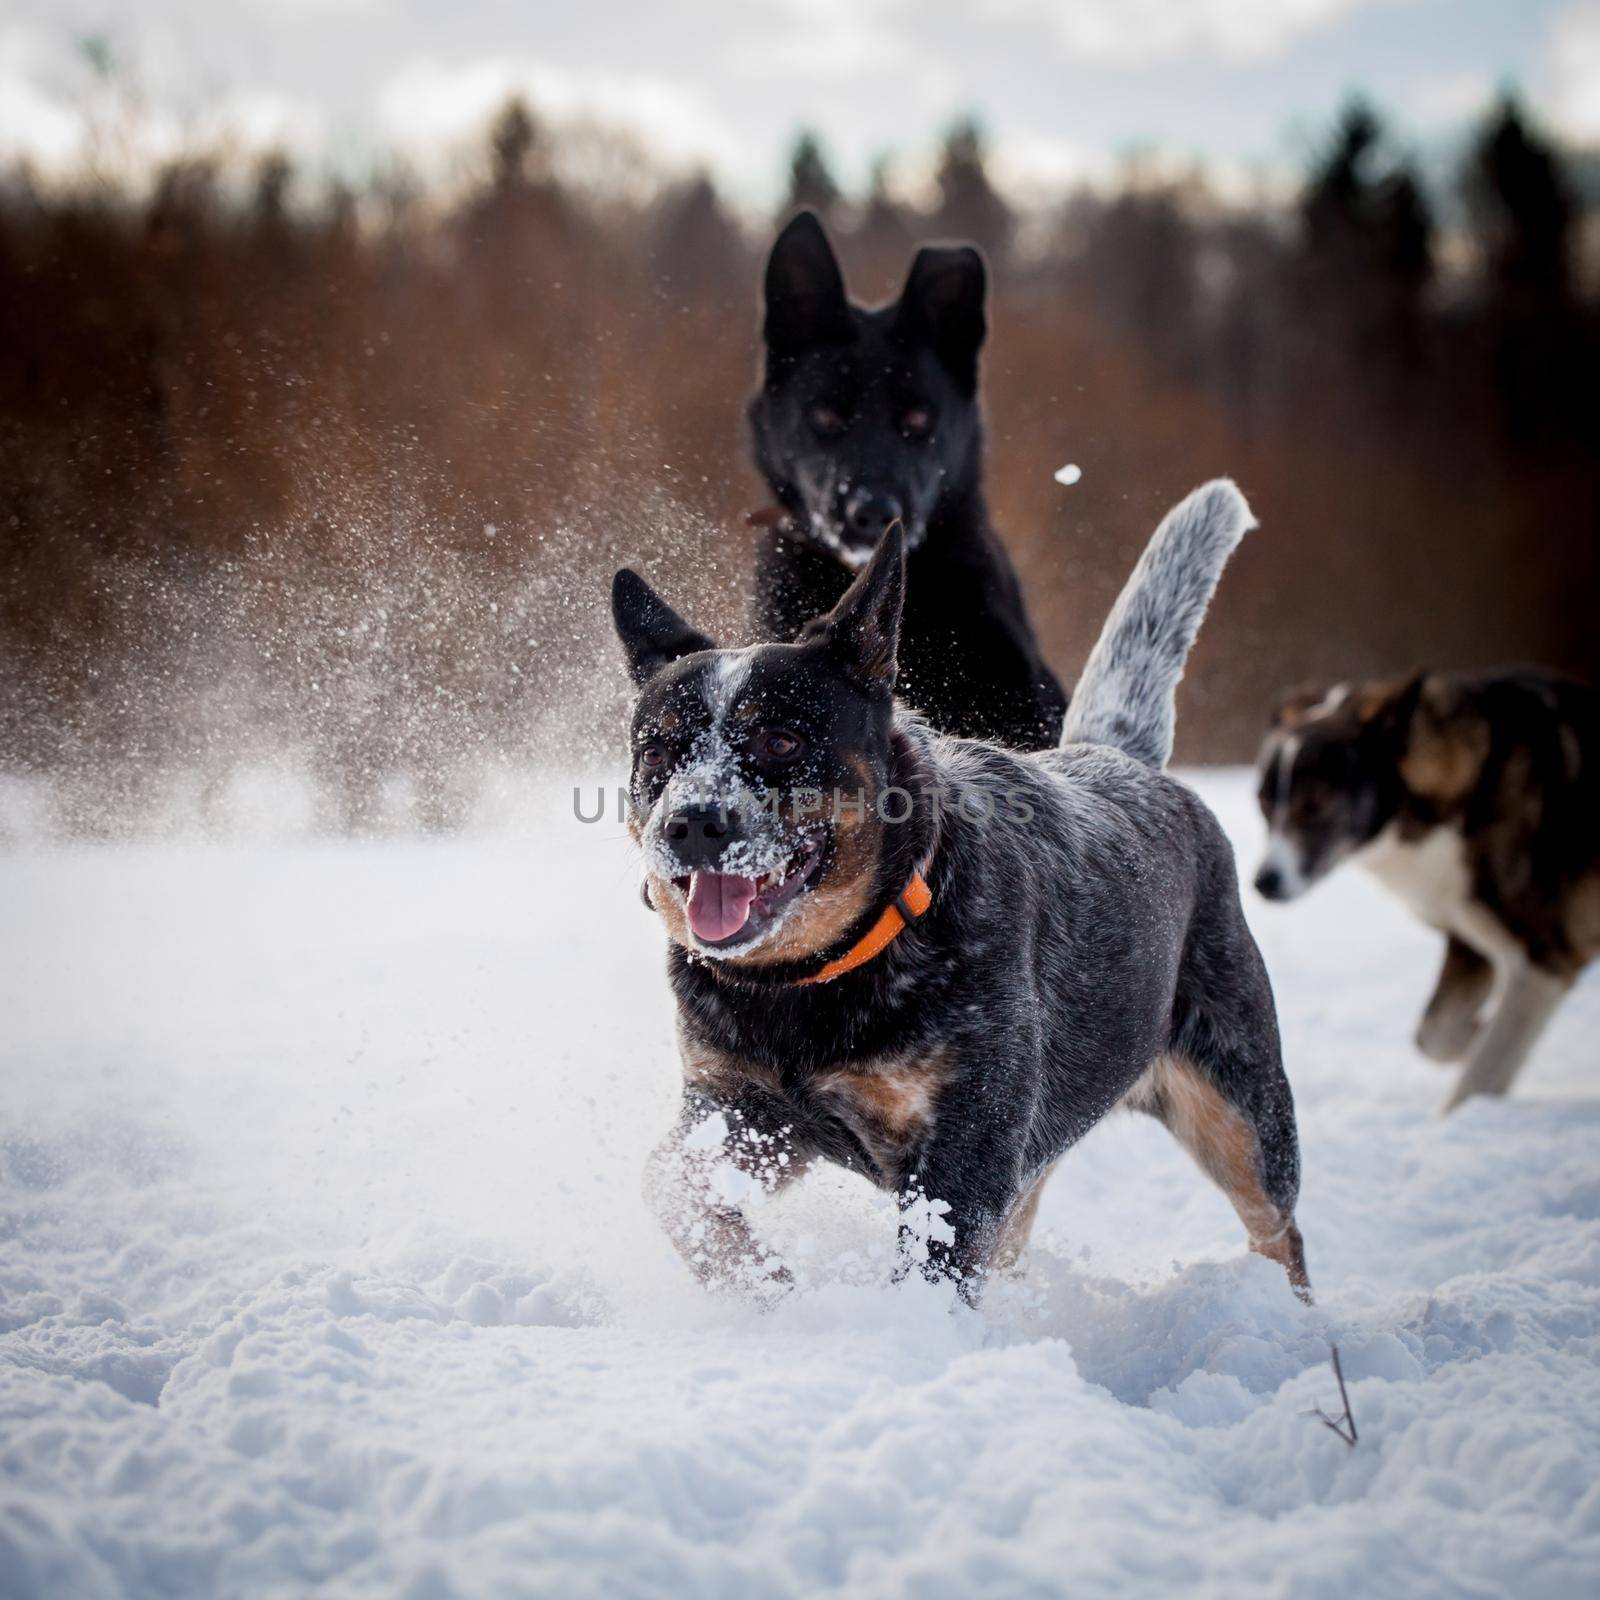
(323, 1270)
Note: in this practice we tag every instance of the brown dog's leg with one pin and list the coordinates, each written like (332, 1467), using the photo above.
(1531, 995)
(1450, 1024)
(1225, 1146)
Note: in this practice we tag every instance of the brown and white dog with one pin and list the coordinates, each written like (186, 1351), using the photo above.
(1476, 799)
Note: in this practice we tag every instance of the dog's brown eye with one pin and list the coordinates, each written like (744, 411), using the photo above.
(825, 420)
(916, 422)
(653, 755)
(778, 744)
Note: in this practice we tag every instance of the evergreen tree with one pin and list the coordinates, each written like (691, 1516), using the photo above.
(511, 144)
(1524, 211)
(886, 235)
(1524, 205)
(1367, 250)
(811, 183)
(970, 207)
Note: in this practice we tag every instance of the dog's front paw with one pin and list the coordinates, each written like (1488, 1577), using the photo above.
(943, 1273)
(774, 1286)
(764, 1284)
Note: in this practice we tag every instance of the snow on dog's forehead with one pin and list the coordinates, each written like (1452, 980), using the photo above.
(726, 692)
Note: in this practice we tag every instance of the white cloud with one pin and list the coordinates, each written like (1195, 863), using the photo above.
(829, 39)
(1452, 97)
(425, 105)
(40, 98)
(57, 113)
(1131, 32)
(1030, 166)
(1573, 59)
(262, 119)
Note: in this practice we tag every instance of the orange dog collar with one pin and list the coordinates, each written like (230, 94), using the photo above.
(911, 903)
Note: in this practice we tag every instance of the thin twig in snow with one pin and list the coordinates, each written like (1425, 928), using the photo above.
(1345, 1424)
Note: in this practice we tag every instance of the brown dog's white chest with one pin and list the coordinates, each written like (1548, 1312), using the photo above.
(1432, 876)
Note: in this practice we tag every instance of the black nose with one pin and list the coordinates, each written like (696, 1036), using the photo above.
(1269, 883)
(867, 514)
(699, 833)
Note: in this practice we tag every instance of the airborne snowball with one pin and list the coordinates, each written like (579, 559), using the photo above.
(1069, 474)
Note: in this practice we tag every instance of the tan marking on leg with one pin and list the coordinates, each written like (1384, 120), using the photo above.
(719, 1072)
(900, 1098)
(1224, 1146)
(887, 1105)
(1018, 1226)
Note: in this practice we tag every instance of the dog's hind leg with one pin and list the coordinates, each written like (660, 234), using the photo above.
(1450, 1024)
(1249, 1151)
(1528, 1001)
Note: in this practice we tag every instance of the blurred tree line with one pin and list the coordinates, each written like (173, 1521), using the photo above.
(344, 475)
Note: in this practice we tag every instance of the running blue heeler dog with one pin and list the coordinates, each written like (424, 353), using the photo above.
(870, 417)
(935, 961)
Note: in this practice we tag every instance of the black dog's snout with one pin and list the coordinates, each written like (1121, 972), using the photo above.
(700, 833)
(1269, 883)
(867, 514)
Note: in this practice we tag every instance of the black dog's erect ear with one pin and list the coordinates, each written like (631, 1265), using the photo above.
(863, 630)
(806, 305)
(652, 633)
(943, 300)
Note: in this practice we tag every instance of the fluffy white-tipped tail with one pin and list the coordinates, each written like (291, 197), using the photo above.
(1125, 696)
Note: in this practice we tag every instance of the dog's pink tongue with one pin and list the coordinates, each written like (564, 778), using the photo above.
(719, 904)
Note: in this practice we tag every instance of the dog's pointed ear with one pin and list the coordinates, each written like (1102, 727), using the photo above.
(863, 630)
(652, 633)
(943, 301)
(806, 304)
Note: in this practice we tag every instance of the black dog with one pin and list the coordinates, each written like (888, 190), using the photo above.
(867, 418)
(946, 976)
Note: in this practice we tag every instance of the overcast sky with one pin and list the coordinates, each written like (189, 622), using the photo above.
(1066, 87)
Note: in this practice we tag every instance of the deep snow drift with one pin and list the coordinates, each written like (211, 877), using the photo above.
(323, 1268)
